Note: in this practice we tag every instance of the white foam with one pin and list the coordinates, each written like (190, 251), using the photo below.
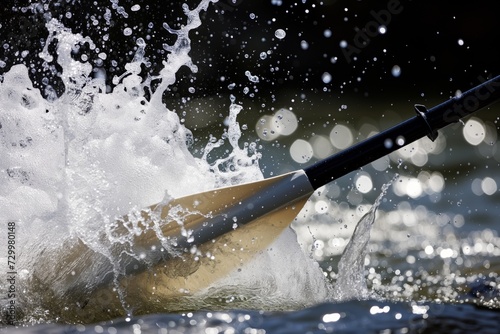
(31, 150)
(283, 277)
(73, 163)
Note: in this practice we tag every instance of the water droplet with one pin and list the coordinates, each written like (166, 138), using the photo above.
(141, 42)
(252, 78)
(280, 33)
(388, 143)
(396, 71)
(127, 31)
(326, 77)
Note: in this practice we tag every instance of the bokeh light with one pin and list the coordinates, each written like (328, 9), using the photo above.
(341, 136)
(282, 123)
(321, 146)
(301, 151)
(474, 131)
(489, 186)
(364, 183)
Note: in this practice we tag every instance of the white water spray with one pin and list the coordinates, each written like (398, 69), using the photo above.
(351, 282)
(72, 164)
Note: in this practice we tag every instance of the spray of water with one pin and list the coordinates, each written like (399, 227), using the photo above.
(71, 164)
(351, 281)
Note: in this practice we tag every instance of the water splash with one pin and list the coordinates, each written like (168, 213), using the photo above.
(351, 282)
(75, 160)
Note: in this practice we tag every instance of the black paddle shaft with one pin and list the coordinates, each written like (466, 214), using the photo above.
(426, 123)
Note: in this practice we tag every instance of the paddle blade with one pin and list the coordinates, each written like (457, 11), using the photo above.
(199, 218)
(170, 284)
(176, 250)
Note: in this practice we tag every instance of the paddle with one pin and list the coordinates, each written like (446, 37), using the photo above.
(238, 205)
(215, 232)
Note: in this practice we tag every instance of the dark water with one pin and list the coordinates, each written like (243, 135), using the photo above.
(368, 316)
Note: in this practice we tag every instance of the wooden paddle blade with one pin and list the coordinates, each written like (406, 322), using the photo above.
(169, 284)
(170, 250)
(199, 218)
